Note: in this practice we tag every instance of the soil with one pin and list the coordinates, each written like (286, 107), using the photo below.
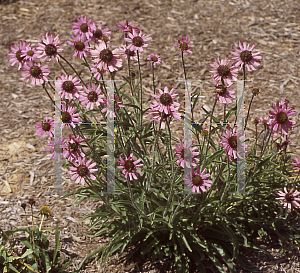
(213, 28)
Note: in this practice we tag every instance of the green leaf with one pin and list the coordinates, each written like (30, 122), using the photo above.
(67, 264)
(184, 240)
(214, 259)
(96, 251)
(85, 64)
(28, 252)
(56, 243)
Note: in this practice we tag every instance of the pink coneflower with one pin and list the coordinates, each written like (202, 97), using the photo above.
(83, 169)
(80, 46)
(197, 180)
(29, 53)
(245, 56)
(125, 52)
(166, 103)
(100, 34)
(83, 28)
(183, 44)
(49, 48)
(223, 94)
(280, 116)
(68, 115)
(16, 55)
(266, 121)
(91, 97)
(45, 127)
(157, 116)
(128, 27)
(297, 163)
(284, 103)
(189, 151)
(35, 71)
(229, 142)
(69, 86)
(105, 58)
(97, 71)
(288, 198)
(223, 71)
(117, 105)
(72, 152)
(137, 41)
(154, 58)
(53, 144)
(129, 166)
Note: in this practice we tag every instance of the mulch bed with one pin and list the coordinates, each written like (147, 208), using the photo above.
(212, 26)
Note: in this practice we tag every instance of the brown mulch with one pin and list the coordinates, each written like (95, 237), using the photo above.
(212, 26)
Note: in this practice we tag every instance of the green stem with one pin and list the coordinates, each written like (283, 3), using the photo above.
(248, 111)
(141, 88)
(170, 150)
(153, 77)
(132, 199)
(42, 222)
(226, 186)
(171, 191)
(72, 68)
(257, 163)
(178, 206)
(209, 137)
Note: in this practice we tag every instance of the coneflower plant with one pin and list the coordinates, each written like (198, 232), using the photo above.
(175, 203)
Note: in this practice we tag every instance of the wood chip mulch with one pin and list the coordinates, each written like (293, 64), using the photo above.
(212, 26)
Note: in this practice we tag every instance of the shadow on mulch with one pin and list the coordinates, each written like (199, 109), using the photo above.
(7, 2)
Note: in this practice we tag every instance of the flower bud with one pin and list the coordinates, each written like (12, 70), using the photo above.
(255, 91)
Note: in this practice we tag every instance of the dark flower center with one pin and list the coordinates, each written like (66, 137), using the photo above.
(281, 118)
(106, 55)
(165, 99)
(221, 90)
(154, 59)
(68, 86)
(232, 141)
(184, 46)
(84, 28)
(46, 126)
(80, 46)
(98, 34)
(129, 166)
(30, 53)
(132, 74)
(197, 180)
(93, 96)
(129, 52)
(246, 56)
(223, 71)
(255, 91)
(82, 170)
(137, 41)
(73, 147)
(187, 152)
(18, 56)
(66, 117)
(289, 197)
(204, 132)
(35, 71)
(50, 50)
